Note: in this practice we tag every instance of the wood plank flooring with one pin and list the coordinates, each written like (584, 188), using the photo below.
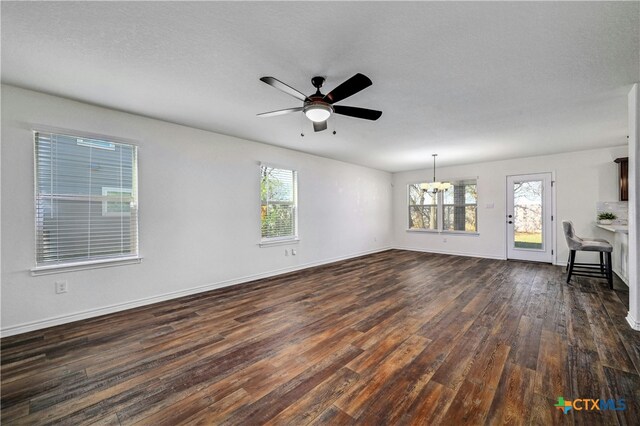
(396, 337)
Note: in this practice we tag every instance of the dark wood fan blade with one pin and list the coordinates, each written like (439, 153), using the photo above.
(319, 126)
(279, 112)
(284, 87)
(367, 114)
(348, 88)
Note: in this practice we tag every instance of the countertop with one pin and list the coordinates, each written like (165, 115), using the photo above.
(623, 229)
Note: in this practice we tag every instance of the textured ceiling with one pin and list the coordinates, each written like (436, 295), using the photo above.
(470, 81)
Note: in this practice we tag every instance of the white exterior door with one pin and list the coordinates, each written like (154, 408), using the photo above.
(529, 217)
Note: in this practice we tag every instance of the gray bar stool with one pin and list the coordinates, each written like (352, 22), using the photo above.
(575, 243)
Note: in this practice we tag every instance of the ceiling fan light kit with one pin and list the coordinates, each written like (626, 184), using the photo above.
(318, 107)
(317, 112)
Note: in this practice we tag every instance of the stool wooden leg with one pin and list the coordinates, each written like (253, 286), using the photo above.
(572, 259)
(609, 271)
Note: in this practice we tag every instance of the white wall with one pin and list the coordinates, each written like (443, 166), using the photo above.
(634, 210)
(199, 216)
(199, 213)
(581, 179)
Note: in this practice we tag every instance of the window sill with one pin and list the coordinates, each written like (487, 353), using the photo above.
(473, 234)
(81, 266)
(270, 243)
(433, 231)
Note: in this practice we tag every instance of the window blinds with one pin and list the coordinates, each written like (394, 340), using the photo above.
(86, 200)
(278, 195)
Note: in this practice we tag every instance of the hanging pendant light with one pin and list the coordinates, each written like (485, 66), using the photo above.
(435, 186)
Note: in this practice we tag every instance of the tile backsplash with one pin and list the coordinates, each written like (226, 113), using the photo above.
(619, 208)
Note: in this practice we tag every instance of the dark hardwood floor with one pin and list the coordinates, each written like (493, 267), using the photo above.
(392, 338)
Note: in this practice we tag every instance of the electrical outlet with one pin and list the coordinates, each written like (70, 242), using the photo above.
(61, 287)
(293, 252)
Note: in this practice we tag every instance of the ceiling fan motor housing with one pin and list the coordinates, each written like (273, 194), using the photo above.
(317, 82)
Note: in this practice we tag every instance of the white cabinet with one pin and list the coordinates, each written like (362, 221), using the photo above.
(620, 255)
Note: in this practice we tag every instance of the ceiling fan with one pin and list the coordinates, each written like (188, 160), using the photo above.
(318, 107)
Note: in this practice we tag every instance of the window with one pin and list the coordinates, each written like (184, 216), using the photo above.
(460, 207)
(86, 200)
(278, 203)
(423, 208)
(454, 210)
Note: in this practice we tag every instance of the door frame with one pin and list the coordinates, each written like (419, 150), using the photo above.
(554, 216)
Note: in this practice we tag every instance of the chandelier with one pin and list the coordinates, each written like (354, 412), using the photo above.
(435, 186)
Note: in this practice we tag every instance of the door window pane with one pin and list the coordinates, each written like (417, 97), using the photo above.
(527, 214)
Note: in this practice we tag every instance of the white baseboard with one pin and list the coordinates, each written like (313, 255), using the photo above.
(634, 323)
(91, 313)
(453, 253)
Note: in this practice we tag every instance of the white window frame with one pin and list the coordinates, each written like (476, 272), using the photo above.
(289, 239)
(80, 265)
(440, 210)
